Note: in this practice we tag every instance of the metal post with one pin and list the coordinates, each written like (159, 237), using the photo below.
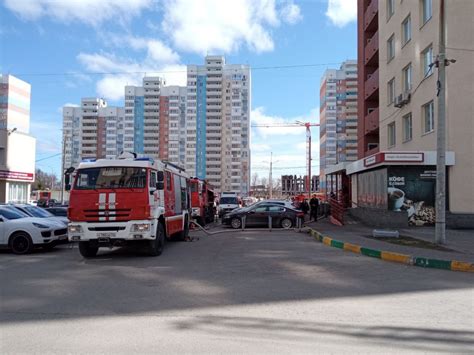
(243, 222)
(270, 182)
(440, 231)
(270, 223)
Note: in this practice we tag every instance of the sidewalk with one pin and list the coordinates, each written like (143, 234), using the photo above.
(460, 242)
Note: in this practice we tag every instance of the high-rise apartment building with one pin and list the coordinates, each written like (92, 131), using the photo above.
(94, 130)
(338, 115)
(17, 147)
(217, 124)
(395, 176)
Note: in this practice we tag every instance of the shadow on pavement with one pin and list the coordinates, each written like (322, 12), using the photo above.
(237, 269)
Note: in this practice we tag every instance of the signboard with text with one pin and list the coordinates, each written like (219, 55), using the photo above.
(16, 175)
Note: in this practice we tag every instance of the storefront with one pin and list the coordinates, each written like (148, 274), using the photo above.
(398, 182)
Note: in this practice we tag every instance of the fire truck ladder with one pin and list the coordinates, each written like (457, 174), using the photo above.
(308, 126)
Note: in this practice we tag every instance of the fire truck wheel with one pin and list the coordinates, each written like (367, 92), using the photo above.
(185, 233)
(157, 245)
(236, 223)
(87, 250)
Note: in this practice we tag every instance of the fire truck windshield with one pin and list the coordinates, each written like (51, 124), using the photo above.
(110, 178)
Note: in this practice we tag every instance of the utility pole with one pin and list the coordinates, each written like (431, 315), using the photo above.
(63, 168)
(270, 181)
(440, 231)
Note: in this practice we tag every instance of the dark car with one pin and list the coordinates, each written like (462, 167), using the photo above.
(257, 216)
(44, 203)
(57, 211)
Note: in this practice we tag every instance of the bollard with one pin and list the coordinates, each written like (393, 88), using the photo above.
(270, 223)
(298, 224)
(243, 222)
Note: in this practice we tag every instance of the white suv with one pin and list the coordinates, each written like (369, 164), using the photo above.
(21, 233)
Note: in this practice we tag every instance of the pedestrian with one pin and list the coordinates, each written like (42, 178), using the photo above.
(305, 208)
(314, 204)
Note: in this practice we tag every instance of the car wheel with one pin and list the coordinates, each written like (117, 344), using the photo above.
(21, 243)
(87, 250)
(286, 223)
(236, 223)
(158, 244)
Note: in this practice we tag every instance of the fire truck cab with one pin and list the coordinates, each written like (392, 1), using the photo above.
(202, 201)
(116, 202)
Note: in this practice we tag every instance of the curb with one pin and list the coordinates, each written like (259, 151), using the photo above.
(452, 265)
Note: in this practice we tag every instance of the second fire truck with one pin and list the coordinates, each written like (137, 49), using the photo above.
(202, 201)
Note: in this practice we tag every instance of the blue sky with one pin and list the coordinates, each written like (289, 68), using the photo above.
(55, 45)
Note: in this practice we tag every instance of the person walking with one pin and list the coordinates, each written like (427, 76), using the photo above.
(305, 208)
(314, 204)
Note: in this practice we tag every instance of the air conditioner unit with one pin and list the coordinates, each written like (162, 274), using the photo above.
(398, 101)
(406, 96)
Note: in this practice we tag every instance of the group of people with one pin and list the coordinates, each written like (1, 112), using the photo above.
(312, 208)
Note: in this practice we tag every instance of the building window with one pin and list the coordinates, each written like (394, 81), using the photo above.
(428, 117)
(390, 8)
(391, 48)
(391, 91)
(426, 11)
(407, 76)
(391, 134)
(407, 128)
(406, 30)
(427, 59)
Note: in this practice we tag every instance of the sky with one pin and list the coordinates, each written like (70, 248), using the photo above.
(64, 47)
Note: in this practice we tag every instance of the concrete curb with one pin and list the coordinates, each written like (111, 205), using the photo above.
(452, 265)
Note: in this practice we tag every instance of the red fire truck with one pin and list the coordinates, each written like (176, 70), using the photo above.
(128, 200)
(202, 201)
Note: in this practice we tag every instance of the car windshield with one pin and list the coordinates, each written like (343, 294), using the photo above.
(12, 213)
(37, 212)
(110, 178)
(229, 201)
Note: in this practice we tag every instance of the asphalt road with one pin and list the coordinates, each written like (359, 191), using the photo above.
(244, 292)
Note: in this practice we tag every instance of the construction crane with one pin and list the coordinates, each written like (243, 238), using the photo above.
(308, 126)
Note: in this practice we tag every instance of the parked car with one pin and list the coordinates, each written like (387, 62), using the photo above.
(21, 233)
(44, 203)
(38, 212)
(257, 216)
(57, 211)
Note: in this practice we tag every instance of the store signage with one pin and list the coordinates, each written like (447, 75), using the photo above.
(15, 175)
(394, 158)
(404, 157)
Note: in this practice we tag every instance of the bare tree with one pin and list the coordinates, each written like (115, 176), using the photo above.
(254, 179)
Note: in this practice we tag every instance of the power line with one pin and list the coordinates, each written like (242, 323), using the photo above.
(292, 66)
(51, 156)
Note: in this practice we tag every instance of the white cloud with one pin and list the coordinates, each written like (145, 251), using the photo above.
(60, 108)
(111, 86)
(291, 13)
(224, 26)
(342, 12)
(91, 12)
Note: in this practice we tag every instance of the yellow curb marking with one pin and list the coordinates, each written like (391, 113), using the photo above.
(462, 266)
(399, 258)
(352, 247)
(327, 241)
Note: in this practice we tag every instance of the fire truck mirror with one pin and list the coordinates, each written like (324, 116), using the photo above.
(67, 182)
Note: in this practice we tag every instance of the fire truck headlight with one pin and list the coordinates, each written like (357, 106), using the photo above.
(74, 228)
(145, 227)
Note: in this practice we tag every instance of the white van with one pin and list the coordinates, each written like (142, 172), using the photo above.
(228, 201)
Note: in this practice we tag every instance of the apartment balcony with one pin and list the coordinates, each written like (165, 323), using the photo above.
(371, 121)
(372, 50)
(372, 84)
(370, 16)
